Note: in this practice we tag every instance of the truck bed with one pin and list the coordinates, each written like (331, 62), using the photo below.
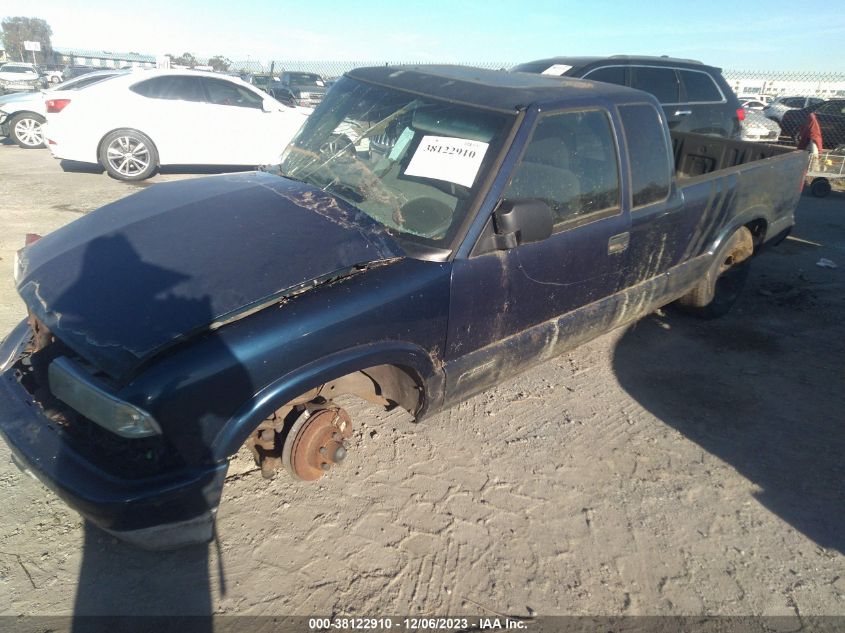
(726, 184)
(698, 154)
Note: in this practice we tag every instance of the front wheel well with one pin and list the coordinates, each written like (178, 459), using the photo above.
(386, 385)
(286, 437)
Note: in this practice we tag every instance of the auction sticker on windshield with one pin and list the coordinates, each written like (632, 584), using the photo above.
(556, 69)
(446, 158)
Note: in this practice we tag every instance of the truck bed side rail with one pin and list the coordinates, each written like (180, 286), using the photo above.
(699, 154)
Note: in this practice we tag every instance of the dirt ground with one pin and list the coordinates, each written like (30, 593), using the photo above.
(673, 467)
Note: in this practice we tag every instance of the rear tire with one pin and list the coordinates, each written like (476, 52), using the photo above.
(716, 293)
(25, 130)
(128, 155)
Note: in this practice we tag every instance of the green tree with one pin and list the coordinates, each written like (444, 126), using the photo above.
(185, 59)
(17, 30)
(220, 63)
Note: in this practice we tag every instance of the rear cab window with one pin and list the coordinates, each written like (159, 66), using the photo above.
(648, 154)
(571, 164)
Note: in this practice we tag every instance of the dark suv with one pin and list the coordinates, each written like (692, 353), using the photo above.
(302, 89)
(695, 97)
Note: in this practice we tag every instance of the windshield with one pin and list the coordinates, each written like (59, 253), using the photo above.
(411, 163)
(305, 79)
(85, 80)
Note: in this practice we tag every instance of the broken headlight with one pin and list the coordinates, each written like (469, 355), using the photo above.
(81, 392)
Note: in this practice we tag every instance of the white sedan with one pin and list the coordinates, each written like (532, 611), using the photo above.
(133, 124)
(22, 114)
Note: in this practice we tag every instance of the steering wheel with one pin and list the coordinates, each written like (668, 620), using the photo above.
(424, 216)
(338, 145)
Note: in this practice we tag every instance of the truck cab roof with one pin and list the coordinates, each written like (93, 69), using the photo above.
(491, 89)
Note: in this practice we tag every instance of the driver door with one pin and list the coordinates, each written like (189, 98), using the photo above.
(241, 130)
(511, 308)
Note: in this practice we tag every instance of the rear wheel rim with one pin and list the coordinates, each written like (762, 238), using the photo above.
(29, 132)
(128, 156)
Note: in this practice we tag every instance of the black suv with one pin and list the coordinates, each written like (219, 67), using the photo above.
(302, 89)
(695, 97)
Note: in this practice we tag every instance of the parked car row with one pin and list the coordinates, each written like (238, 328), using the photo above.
(138, 121)
(17, 77)
(25, 77)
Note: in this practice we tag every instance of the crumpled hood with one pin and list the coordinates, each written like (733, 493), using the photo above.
(122, 282)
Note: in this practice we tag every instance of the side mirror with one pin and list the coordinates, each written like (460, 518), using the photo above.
(521, 222)
(269, 105)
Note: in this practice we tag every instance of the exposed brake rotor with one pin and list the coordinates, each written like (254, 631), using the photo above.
(316, 442)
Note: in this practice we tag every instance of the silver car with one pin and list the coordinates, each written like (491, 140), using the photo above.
(757, 127)
(777, 108)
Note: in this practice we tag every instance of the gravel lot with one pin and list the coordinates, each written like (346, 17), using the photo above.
(674, 467)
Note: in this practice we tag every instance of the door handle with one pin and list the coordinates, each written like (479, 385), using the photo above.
(683, 112)
(618, 243)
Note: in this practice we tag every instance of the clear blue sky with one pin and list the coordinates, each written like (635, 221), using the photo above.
(749, 35)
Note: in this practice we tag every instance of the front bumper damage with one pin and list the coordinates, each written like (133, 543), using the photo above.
(159, 512)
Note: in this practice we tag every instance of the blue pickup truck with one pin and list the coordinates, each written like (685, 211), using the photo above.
(430, 232)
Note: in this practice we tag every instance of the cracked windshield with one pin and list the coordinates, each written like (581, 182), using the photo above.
(411, 164)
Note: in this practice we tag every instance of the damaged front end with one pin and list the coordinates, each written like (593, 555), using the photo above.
(68, 424)
(135, 487)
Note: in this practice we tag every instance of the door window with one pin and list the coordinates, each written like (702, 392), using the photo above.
(661, 82)
(700, 87)
(648, 154)
(794, 102)
(609, 74)
(571, 164)
(226, 93)
(171, 87)
(831, 108)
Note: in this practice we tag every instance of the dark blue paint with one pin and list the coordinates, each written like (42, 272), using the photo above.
(153, 268)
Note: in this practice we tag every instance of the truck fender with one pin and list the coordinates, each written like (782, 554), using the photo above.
(427, 372)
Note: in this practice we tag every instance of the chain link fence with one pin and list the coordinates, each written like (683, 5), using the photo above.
(751, 83)
(743, 82)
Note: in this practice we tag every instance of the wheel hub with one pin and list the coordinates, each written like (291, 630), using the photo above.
(316, 443)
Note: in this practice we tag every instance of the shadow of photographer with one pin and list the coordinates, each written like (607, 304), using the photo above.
(117, 579)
